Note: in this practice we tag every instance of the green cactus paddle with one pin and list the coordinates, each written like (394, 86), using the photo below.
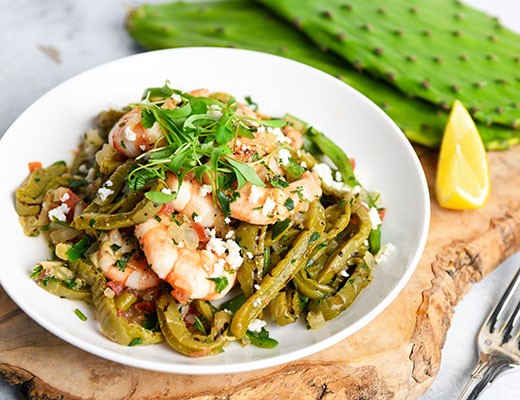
(438, 50)
(244, 24)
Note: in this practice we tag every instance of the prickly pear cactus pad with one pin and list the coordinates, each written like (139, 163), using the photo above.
(221, 24)
(438, 50)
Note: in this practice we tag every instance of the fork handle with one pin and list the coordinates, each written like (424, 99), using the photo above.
(486, 371)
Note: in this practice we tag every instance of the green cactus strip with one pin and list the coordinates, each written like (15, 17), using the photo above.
(222, 24)
(438, 50)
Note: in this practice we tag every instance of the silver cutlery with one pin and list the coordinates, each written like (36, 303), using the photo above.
(498, 342)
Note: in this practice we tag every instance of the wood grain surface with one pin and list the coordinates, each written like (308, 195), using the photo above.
(396, 356)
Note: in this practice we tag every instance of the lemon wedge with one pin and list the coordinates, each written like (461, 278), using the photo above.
(463, 180)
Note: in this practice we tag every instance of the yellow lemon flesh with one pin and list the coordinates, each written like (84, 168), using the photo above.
(462, 181)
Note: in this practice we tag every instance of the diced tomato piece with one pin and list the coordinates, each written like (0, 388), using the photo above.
(145, 306)
(166, 210)
(382, 212)
(117, 287)
(34, 165)
(73, 200)
(353, 163)
(201, 232)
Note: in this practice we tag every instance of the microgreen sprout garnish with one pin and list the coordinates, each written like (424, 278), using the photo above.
(251, 103)
(199, 136)
(36, 271)
(199, 325)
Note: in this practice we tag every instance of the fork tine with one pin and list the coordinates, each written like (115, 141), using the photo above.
(511, 323)
(502, 304)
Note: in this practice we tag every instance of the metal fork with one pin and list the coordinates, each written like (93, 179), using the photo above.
(499, 346)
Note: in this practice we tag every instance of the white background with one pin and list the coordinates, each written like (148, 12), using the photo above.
(87, 33)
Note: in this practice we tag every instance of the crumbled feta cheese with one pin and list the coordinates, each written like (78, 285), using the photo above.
(82, 169)
(374, 217)
(166, 190)
(254, 194)
(230, 235)
(221, 247)
(59, 213)
(325, 174)
(204, 190)
(249, 255)
(65, 197)
(216, 245)
(256, 286)
(244, 148)
(344, 273)
(257, 303)
(365, 242)
(214, 111)
(386, 250)
(234, 258)
(218, 269)
(356, 189)
(130, 134)
(108, 183)
(210, 232)
(283, 156)
(269, 206)
(338, 176)
(176, 98)
(256, 325)
(277, 132)
(104, 192)
(197, 218)
(142, 147)
(303, 164)
(227, 220)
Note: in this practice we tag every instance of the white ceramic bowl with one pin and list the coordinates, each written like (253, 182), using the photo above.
(52, 127)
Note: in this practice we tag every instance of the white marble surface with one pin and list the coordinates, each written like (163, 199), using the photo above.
(86, 33)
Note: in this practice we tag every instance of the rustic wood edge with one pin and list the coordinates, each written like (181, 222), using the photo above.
(455, 269)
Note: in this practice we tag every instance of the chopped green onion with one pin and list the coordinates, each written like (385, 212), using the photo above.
(80, 315)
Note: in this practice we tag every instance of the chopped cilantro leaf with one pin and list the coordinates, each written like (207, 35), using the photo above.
(262, 339)
(289, 204)
(278, 182)
(315, 236)
(279, 227)
(78, 249)
(115, 247)
(136, 341)
(221, 283)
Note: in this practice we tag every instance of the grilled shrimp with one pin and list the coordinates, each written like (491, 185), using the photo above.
(192, 272)
(117, 259)
(130, 138)
(195, 201)
(262, 205)
(294, 135)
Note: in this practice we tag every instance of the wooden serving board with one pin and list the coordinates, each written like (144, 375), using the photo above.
(394, 357)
